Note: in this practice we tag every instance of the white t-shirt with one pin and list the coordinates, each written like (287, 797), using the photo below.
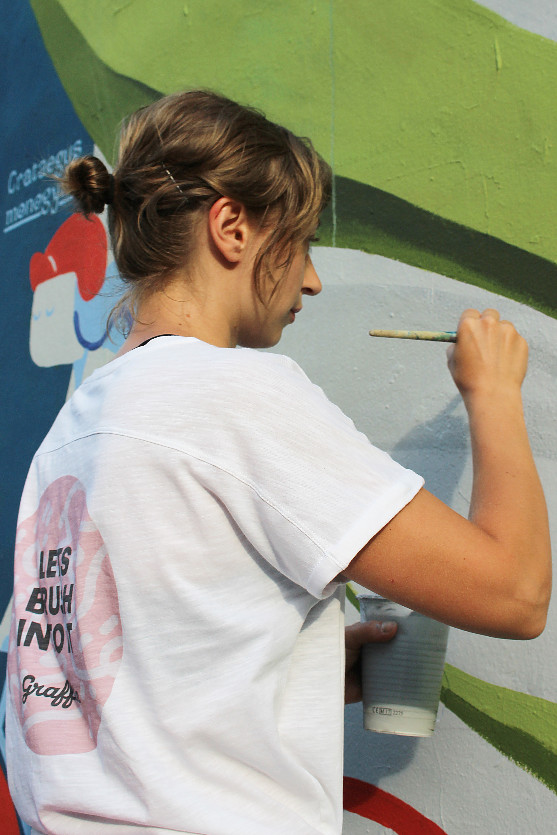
(177, 656)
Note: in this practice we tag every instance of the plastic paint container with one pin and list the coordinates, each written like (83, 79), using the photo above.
(401, 679)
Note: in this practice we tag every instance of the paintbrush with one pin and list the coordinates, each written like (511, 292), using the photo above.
(431, 336)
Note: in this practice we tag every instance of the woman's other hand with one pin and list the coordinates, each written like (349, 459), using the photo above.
(355, 636)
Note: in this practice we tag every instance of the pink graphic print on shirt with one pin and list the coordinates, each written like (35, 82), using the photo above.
(66, 636)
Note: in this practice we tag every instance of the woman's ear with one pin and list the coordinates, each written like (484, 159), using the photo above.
(229, 228)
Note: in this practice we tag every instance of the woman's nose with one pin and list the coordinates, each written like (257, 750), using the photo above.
(312, 285)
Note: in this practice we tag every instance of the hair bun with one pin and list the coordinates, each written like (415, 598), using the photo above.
(90, 183)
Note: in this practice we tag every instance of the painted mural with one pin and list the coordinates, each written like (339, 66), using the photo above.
(75, 285)
(438, 118)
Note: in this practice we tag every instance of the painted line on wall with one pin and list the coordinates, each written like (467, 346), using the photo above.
(377, 805)
(518, 725)
(10, 825)
(379, 223)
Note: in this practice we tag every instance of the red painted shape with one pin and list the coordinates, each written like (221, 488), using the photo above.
(8, 816)
(79, 245)
(377, 805)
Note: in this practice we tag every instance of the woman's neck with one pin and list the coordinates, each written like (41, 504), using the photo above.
(179, 310)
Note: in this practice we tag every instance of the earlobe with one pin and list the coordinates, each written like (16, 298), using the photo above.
(229, 228)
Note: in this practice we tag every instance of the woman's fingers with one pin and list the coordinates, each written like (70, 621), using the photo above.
(355, 636)
(372, 631)
(491, 313)
(489, 356)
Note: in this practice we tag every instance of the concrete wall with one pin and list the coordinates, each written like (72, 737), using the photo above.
(439, 120)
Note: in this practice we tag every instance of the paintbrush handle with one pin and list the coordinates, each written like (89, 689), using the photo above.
(431, 336)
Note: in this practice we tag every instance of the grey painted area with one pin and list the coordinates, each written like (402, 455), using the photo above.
(538, 16)
(401, 395)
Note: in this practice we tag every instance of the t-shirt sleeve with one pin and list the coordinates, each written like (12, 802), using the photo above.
(305, 487)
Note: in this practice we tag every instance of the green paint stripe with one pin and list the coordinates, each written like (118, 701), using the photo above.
(100, 96)
(374, 221)
(520, 726)
(351, 597)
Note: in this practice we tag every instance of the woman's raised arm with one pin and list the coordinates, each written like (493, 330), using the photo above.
(491, 573)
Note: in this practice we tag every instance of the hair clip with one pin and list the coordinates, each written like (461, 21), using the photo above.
(164, 168)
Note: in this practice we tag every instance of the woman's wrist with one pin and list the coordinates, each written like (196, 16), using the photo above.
(493, 400)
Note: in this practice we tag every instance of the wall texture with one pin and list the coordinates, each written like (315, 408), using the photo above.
(438, 118)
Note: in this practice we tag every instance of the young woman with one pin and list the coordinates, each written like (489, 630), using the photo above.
(176, 658)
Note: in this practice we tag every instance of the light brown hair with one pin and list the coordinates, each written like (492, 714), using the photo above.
(176, 157)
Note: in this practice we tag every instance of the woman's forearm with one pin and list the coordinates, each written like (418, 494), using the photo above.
(507, 499)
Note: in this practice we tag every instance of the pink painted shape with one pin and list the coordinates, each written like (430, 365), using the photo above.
(62, 520)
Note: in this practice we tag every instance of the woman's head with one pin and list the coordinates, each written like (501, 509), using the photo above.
(177, 157)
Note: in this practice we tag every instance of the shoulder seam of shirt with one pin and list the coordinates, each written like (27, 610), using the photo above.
(182, 451)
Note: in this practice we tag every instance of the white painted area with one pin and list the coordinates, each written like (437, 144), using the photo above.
(356, 825)
(401, 395)
(5, 623)
(455, 779)
(52, 339)
(538, 16)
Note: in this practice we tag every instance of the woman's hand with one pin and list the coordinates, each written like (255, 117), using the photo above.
(355, 636)
(490, 357)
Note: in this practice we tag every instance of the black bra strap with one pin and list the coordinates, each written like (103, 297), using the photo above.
(141, 344)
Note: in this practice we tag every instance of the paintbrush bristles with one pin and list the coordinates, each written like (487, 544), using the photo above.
(430, 336)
